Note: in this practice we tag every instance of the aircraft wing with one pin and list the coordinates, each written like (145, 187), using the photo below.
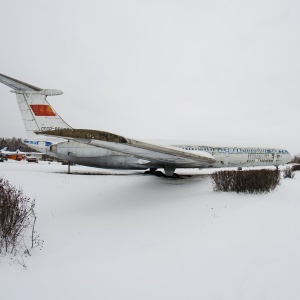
(147, 152)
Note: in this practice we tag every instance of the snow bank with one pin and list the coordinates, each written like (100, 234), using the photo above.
(135, 236)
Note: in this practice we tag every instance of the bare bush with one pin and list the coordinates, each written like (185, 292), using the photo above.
(296, 167)
(248, 182)
(288, 172)
(296, 159)
(17, 221)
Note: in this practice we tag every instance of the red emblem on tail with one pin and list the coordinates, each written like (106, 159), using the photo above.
(42, 110)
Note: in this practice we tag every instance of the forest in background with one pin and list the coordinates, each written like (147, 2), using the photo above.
(14, 144)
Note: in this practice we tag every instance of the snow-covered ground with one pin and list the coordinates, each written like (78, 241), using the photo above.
(135, 236)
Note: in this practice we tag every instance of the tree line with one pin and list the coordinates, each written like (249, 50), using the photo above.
(14, 144)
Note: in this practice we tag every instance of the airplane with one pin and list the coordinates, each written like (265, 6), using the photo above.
(20, 155)
(48, 133)
(14, 155)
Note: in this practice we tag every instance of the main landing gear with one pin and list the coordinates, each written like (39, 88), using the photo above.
(169, 172)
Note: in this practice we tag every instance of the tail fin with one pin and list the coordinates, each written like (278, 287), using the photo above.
(37, 113)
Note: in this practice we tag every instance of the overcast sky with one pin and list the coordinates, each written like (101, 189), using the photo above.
(224, 72)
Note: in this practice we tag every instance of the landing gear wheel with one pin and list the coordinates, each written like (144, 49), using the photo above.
(151, 171)
(159, 174)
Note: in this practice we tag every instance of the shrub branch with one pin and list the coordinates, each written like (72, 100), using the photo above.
(248, 182)
(17, 221)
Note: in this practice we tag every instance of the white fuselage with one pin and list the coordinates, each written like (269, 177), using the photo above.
(93, 156)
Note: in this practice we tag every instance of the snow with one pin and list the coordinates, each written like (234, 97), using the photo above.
(126, 235)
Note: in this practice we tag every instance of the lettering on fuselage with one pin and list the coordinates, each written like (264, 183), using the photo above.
(46, 128)
(234, 150)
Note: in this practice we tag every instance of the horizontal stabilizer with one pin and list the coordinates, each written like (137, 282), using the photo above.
(47, 92)
(17, 84)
